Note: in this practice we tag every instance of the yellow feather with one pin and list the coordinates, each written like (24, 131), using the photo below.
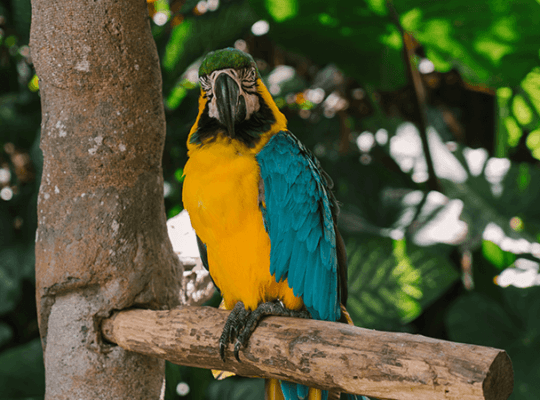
(273, 390)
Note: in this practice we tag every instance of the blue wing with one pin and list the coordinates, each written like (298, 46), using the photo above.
(298, 217)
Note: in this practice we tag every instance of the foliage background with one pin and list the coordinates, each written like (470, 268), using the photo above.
(450, 253)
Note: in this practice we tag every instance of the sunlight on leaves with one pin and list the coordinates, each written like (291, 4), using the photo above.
(495, 47)
(411, 19)
(533, 143)
(282, 10)
(377, 6)
(175, 97)
(175, 46)
(493, 253)
(505, 29)
(513, 130)
(391, 282)
(393, 38)
(531, 85)
(492, 48)
(521, 110)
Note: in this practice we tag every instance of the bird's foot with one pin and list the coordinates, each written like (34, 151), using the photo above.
(235, 323)
(241, 323)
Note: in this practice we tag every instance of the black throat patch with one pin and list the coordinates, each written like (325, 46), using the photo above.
(248, 131)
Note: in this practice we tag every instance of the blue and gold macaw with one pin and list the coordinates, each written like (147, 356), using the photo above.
(262, 209)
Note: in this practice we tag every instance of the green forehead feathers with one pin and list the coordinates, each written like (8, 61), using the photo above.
(226, 58)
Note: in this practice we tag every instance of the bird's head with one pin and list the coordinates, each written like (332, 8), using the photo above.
(234, 100)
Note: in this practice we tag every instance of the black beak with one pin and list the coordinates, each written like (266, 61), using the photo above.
(230, 104)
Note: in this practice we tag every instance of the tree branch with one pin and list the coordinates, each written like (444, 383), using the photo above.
(420, 98)
(321, 354)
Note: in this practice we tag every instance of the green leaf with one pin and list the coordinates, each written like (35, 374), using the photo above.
(22, 14)
(179, 175)
(476, 319)
(281, 10)
(22, 373)
(176, 96)
(236, 388)
(177, 209)
(10, 289)
(175, 47)
(391, 282)
(16, 263)
(533, 143)
(521, 110)
(342, 33)
(510, 323)
(531, 86)
(499, 258)
(197, 35)
(6, 333)
(492, 42)
(514, 131)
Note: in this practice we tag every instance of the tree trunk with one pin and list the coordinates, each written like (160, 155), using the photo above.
(101, 243)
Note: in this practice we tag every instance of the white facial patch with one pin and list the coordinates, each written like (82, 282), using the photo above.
(246, 83)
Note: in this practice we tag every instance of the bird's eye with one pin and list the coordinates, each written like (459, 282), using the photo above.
(249, 80)
(252, 74)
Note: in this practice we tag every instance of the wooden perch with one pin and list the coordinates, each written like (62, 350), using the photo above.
(322, 354)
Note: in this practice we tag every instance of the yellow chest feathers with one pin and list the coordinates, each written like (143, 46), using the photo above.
(221, 194)
(220, 188)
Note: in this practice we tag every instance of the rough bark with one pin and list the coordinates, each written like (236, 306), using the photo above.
(322, 354)
(101, 243)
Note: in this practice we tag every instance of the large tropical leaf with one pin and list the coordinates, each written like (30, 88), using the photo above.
(391, 282)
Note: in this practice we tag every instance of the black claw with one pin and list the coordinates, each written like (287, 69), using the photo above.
(241, 323)
(233, 327)
(237, 346)
(221, 350)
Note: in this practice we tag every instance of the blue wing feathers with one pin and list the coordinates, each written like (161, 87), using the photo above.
(302, 391)
(305, 230)
(297, 278)
(300, 224)
(280, 259)
(313, 239)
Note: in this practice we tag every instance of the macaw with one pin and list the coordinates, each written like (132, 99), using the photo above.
(262, 209)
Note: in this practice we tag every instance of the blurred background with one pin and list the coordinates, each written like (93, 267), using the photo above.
(426, 116)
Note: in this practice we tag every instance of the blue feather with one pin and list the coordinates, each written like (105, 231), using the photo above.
(327, 254)
(305, 230)
(289, 390)
(293, 391)
(297, 276)
(300, 224)
(302, 391)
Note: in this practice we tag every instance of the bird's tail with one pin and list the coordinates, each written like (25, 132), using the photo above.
(281, 390)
